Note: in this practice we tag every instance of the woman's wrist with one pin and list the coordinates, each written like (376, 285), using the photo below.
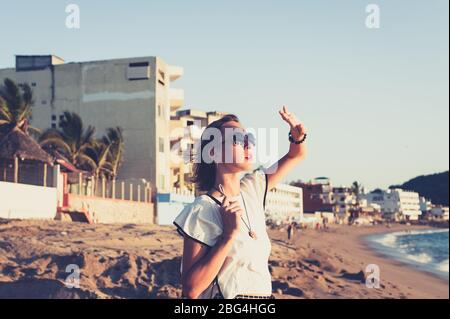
(296, 138)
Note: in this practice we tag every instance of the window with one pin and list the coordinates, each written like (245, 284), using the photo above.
(53, 125)
(33, 84)
(190, 123)
(53, 117)
(138, 71)
(161, 77)
(161, 145)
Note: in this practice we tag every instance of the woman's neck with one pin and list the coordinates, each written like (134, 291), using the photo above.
(231, 183)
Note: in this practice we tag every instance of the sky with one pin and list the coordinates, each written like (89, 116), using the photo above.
(375, 101)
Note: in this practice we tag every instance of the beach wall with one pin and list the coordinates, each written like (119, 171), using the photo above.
(27, 201)
(113, 211)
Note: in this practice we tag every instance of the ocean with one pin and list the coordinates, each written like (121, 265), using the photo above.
(426, 250)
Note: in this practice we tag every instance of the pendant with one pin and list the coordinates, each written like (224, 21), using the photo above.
(252, 234)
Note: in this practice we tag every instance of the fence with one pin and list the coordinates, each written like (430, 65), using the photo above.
(26, 172)
(132, 190)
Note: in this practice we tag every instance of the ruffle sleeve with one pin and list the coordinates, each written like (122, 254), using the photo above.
(200, 222)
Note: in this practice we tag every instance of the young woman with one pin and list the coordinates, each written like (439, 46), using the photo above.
(226, 246)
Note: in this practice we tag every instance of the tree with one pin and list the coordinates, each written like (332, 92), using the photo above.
(73, 140)
(16, 103)
(114, 138)
(356, 188)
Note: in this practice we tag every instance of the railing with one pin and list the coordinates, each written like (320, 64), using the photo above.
(26, 172)
(180, 191)
(113, 189)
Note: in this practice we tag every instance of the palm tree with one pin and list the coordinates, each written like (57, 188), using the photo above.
(16, 102)
(73, 140)
(356, 188)
(97, 161)
(114, 138)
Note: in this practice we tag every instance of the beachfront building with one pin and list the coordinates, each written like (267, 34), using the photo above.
(345, 203)
(320, 196)
(425, 205)
(186, 128)
(396, 204)
(135, 94)
(317, 195)
(284, 204)
(440, 212)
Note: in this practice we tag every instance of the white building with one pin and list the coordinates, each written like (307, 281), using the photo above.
(396, 204)
(344, 200)
(133, 93)
(440, 212)
(187, 127)
(425, 205)
(284, 203)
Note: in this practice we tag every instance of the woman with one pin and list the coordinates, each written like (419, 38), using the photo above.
(226, 246)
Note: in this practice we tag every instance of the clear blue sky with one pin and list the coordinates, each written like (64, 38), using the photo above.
(376, 102)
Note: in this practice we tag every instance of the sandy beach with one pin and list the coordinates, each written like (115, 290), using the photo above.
(142, 261)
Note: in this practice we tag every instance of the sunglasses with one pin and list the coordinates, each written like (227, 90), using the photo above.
(244, 139)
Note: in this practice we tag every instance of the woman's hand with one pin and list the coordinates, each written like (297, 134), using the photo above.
(297, 128)
(231, 213)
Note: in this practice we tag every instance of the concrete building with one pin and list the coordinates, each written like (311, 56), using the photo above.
(284, 203)
(317, 195)
(396, 204)
(187, 127)
(440, 212)
(133, 93)
(425, 205)
(345, 202)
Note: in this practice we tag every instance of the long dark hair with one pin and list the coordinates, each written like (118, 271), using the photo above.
(204, 173)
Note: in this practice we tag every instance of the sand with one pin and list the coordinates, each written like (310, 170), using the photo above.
(331, 264)
(142, 261)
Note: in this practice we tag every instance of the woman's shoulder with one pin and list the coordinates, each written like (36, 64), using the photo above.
(201, 205)
(200, 221)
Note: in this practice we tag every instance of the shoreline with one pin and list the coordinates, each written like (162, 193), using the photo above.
(383, 251)
(343, 266)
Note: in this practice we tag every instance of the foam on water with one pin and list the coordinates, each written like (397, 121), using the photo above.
(425, 249)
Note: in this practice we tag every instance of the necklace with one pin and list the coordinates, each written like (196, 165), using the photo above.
(251, 233)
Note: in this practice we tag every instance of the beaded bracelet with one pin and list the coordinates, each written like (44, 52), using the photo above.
(291, 139)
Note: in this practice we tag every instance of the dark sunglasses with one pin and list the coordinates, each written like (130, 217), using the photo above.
(244, 139)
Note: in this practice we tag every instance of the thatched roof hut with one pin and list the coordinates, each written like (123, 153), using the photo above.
(18, 144)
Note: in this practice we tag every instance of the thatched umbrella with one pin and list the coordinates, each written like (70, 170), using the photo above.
(18, 145)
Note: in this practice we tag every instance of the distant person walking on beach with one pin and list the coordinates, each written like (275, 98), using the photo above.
(325, 222)
(290, 231)
(226, 245)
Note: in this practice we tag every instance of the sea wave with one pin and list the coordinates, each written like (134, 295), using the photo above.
(423, 252)
(422, 258)
(443, 266)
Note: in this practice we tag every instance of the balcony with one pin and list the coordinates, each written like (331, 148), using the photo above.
(175, 72)
(176, 99)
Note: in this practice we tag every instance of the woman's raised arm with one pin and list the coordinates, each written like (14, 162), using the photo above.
(297, 152)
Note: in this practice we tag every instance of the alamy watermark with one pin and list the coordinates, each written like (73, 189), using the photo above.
(373, 276)
(218, 145)
(73, 279)
(373, 17)
(73, 17)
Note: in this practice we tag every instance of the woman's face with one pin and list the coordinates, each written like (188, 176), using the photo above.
(239, 148)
